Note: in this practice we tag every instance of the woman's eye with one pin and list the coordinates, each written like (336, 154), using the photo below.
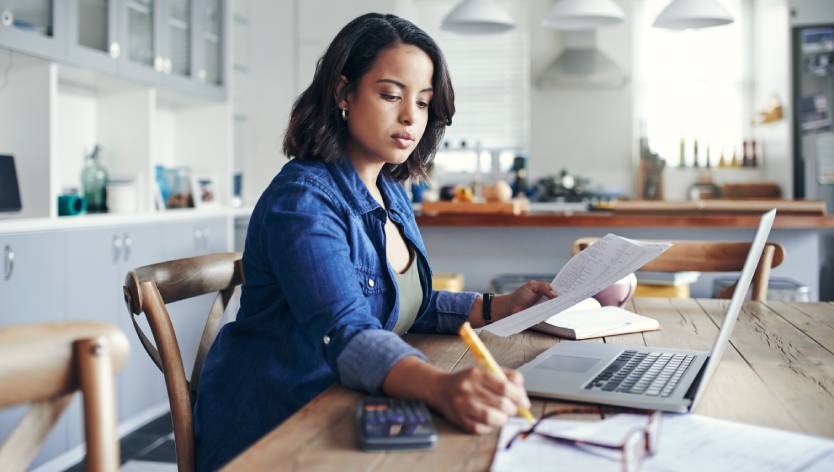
(390, 98)
(422, 104)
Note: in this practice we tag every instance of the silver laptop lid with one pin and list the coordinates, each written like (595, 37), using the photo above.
(733, 310)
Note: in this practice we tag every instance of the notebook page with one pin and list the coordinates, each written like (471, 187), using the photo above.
(600, 265)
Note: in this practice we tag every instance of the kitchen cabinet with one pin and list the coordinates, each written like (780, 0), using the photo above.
(32, 291)
(93, 40)
(175, 44)
(35, 27)
(211, 47)
(97, 261)
(140, 23)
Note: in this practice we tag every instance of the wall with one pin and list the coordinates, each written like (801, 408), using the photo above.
(585, 130)
(287, 39)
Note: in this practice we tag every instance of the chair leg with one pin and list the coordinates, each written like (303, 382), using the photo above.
(95, 378)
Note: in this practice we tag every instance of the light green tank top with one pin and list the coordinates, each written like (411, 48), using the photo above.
(410, 293)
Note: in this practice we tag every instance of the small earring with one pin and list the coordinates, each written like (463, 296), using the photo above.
(344, 114)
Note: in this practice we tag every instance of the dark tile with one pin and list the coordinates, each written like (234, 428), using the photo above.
(157, 427)
(150, 440)
(134, 444)
(164, 452)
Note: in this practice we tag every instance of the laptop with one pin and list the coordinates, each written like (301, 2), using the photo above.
(649, 378)
(9, 192)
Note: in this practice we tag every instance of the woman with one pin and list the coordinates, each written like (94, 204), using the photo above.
(334, 264)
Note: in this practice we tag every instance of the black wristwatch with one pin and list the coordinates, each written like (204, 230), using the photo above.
(487, 308)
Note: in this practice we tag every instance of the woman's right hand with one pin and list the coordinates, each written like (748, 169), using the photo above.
(479, 401)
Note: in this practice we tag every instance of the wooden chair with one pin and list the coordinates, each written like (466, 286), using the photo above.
(711, 256)
(147, 290)
(44, 365)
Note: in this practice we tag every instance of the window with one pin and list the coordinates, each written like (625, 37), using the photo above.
(491, 77)
(692, 84)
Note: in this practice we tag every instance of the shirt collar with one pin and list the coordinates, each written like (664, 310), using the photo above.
(355, 191)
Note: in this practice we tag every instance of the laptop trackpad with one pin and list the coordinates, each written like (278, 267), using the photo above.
(568, 363)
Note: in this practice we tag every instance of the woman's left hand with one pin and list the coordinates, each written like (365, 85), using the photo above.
(507, 304)
(525, 296)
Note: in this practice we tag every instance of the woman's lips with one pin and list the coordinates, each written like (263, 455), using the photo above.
(401, 142)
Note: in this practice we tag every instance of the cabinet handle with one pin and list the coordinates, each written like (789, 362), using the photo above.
(128, 243)
(168, 65)
(8, 262)
(198, 236)
(205, 238)
(117, 247)
(201, 74)
(159, 64)
(115, 50)
(6, 17)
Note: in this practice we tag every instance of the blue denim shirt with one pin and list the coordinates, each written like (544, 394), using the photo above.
(318, 305)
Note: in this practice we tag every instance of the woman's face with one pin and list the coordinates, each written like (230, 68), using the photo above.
(388, 109)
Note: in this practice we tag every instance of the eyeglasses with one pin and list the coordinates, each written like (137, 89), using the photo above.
(635, 445)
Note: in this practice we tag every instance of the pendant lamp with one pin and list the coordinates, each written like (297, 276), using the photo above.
(583, 14)
(692, 14)
(478, 17)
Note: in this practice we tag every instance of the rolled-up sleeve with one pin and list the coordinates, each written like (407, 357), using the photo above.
(386, 349)
(445, 312)
(307, 243)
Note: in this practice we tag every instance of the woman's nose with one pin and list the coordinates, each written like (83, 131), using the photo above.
(407, 114)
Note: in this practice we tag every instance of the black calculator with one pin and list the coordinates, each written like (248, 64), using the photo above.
(390, 424)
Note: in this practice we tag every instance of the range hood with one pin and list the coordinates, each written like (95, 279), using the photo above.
(581, 64)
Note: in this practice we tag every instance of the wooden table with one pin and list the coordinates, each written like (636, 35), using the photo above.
(779, 372)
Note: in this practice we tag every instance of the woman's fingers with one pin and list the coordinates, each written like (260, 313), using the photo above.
(484, 416)
(542, 288)
(507, 388)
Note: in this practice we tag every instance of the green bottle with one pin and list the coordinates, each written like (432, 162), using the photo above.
(94, 183)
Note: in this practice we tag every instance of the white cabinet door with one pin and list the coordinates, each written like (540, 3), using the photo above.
(32, 291)
(97, 262)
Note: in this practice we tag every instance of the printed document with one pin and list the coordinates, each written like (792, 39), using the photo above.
(587, 273)
(686, 442)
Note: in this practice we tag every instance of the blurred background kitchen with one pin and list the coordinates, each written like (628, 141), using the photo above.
(136, 131)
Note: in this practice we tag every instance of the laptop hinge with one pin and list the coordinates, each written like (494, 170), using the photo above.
(693, 388)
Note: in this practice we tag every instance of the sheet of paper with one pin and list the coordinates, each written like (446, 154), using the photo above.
(687, 442)
(600, 265)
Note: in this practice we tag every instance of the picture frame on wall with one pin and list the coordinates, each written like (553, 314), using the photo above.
(204, 189)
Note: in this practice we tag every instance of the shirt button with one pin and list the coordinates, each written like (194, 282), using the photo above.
(371, 282)
(326, 340)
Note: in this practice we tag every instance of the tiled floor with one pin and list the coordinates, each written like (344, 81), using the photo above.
(149, 448)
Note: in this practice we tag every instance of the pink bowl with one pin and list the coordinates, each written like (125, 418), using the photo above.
(618, 293)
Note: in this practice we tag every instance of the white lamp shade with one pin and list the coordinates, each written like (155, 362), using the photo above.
(692, 14)
(583, 67)
(478, 17)
(583, 14)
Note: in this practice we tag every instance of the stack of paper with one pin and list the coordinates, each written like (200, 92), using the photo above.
(686, 442)
(587, 273)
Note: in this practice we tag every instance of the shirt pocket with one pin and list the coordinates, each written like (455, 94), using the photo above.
(371, 281)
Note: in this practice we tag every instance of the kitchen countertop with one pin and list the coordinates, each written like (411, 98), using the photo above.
(610, 219)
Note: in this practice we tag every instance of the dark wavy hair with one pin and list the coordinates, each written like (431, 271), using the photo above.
(316, 129)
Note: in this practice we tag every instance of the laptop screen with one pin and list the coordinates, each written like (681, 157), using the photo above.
(736, 302)
(9, 192)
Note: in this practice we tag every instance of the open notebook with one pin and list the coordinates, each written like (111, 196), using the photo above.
(588, 319)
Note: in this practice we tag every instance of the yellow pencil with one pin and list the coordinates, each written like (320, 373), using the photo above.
(485, 358)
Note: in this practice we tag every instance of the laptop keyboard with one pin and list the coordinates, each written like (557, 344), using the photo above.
(643, 373)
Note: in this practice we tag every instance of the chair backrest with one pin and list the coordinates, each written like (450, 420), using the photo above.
(147, 290)
(711, 256)
(44, 365)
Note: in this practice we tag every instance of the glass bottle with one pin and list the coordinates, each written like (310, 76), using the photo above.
(94, 182)
(682, 154)
(695, 162)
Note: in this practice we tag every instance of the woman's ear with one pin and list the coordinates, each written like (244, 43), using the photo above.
(342, 92)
